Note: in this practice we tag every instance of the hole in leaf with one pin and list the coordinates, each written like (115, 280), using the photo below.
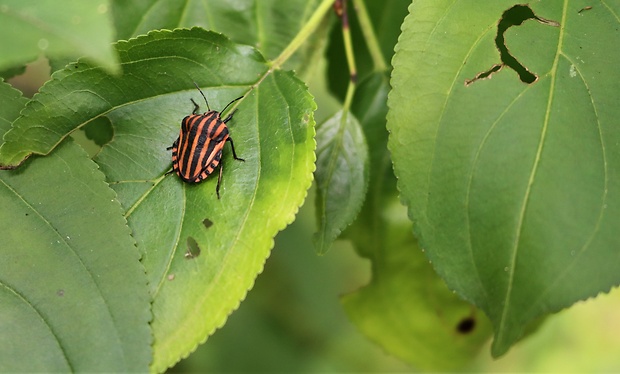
(485, 74)
(514, 16)
(193, 250)
(60, 293)
(99, 130)
(207, 222)
(466, 325)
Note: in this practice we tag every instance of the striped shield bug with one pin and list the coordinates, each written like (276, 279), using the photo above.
(198, 149)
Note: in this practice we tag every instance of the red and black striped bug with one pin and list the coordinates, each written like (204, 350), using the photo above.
(198, 149)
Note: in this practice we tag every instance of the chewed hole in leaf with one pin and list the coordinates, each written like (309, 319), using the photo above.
(100, 131)
(207, 222)
(466, 325)
(193, 250)
(514, 16)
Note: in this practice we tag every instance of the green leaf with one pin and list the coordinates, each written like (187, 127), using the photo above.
(73, 294)
(268, 25)
(273, 130)
(369, 105)
(512, 186)
(408, 309)
(71, 28)
(341, 176)
(12, 102)
(406, 302)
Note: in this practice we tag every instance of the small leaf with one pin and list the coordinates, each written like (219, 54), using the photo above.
(511, 185)
(73, 294)
(405, 302)
(370, 105)
(341, 176)
(407, 308)
(56, 29)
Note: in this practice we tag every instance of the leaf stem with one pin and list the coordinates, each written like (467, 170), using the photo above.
(144, 195)
(303, 34)
(348, 48)
(370, 36)
(348, 45)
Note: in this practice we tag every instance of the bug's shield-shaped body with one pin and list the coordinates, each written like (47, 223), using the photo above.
(198, 150)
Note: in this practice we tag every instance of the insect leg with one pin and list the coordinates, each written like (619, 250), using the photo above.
(229, 116)
(219, 180)
(233, 149)
(173, 145)
(196, 107)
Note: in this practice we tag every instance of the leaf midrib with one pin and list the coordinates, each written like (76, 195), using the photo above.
(501, 329)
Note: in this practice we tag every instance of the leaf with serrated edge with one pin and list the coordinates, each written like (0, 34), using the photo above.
(341, 176)
(272, 128)
(69, 269)
(512, 186)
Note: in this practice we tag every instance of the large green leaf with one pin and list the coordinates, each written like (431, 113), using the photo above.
(512, 186)
(406, 308)
(341, 176)
(57, 29)
(229, 239)
(73, 295)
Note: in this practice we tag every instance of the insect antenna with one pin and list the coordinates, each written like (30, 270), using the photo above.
(203, 95)
(227, 105)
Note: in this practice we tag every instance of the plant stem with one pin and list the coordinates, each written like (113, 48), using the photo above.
(369, 34)
(303, 34)
(348, 48)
